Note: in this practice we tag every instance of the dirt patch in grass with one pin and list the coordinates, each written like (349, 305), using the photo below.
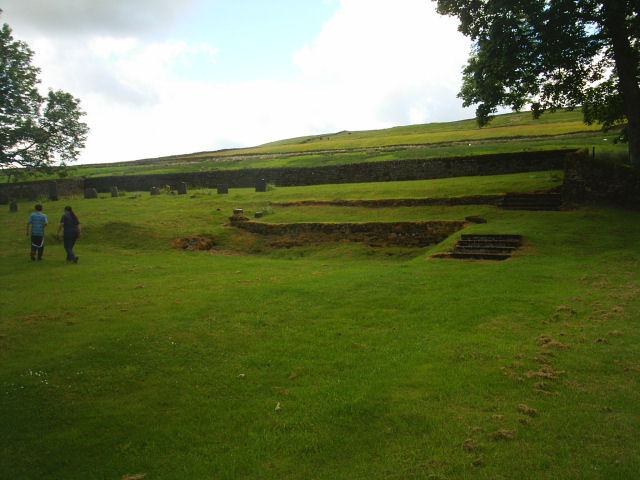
(548, 341)
(195, 243)
(545, 371)
(502, 434)
(532, 412)
(469, 445)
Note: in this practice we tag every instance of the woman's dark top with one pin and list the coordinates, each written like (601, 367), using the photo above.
(70, 225)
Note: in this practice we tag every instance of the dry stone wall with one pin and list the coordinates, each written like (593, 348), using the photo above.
(37, 190)
(396, 170)
(587, 180)
(379, 234)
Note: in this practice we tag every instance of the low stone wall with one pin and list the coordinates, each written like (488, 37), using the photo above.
(384, 171)
(379, 234)
(401, 202)
(591, 181)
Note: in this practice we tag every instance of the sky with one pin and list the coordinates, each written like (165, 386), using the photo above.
(165, 77)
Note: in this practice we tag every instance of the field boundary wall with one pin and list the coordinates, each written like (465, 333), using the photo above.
(592, 181)
(382, 171)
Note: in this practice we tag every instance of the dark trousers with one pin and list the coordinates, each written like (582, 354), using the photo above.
(69, 242)
(37, 245)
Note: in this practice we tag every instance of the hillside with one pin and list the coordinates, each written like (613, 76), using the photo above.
(512, 132)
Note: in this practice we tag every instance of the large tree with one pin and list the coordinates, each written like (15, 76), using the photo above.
(551, 54)
(36, 131)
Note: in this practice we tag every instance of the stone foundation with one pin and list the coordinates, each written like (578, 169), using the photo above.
(377, 234)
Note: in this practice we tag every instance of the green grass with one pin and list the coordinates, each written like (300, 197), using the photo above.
(510, 125)
(142, 359)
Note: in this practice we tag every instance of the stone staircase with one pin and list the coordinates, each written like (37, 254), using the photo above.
(486, 246)
(532, 201)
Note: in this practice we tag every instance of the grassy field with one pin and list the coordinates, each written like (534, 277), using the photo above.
(338, 361)
(503, 126)
(514, 132)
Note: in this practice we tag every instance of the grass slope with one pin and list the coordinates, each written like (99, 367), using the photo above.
(338, 361)
(507, 125)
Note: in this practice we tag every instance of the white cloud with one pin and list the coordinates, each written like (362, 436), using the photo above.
(374, 64)
(392, 56)
(73, 18)
(106, 47)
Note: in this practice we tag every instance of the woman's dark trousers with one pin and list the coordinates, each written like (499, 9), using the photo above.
(69, 242)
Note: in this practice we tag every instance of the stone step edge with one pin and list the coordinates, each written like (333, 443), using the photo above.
(483, 241)
(481, 256)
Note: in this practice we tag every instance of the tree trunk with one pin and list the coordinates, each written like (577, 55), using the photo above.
(626, 61)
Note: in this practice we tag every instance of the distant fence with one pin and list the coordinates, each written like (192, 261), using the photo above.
(383, 171)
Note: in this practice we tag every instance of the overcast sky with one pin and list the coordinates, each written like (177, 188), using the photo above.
(162, 77)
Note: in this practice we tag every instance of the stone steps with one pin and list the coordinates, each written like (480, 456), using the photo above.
(486, 246)
(532, 201)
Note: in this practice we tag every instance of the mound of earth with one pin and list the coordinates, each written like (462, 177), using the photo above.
(195, 242)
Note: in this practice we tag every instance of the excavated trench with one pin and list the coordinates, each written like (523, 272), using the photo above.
(377, 234)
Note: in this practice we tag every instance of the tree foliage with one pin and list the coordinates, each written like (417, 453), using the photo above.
(551, 54)
(36, 131)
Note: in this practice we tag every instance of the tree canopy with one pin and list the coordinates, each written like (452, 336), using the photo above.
(551, 54)
(36, 131)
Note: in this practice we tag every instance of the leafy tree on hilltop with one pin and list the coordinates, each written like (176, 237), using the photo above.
(36, 132)
(552, 54)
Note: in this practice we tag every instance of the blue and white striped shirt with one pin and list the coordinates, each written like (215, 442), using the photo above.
(37, 220)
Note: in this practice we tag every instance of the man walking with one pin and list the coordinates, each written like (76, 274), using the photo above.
(37, 221)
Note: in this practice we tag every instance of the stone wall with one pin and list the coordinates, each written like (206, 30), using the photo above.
(593, 181)
(37, 190)
(400, 202)
(384, 171)
(379, 234)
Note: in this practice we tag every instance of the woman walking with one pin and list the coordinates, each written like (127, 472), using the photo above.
(70, 225)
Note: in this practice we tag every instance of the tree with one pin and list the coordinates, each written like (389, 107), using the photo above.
(36, 132)
(551, 54)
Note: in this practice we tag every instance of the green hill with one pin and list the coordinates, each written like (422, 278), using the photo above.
(513, 132)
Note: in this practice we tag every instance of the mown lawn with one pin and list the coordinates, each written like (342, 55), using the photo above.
(337, 361)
